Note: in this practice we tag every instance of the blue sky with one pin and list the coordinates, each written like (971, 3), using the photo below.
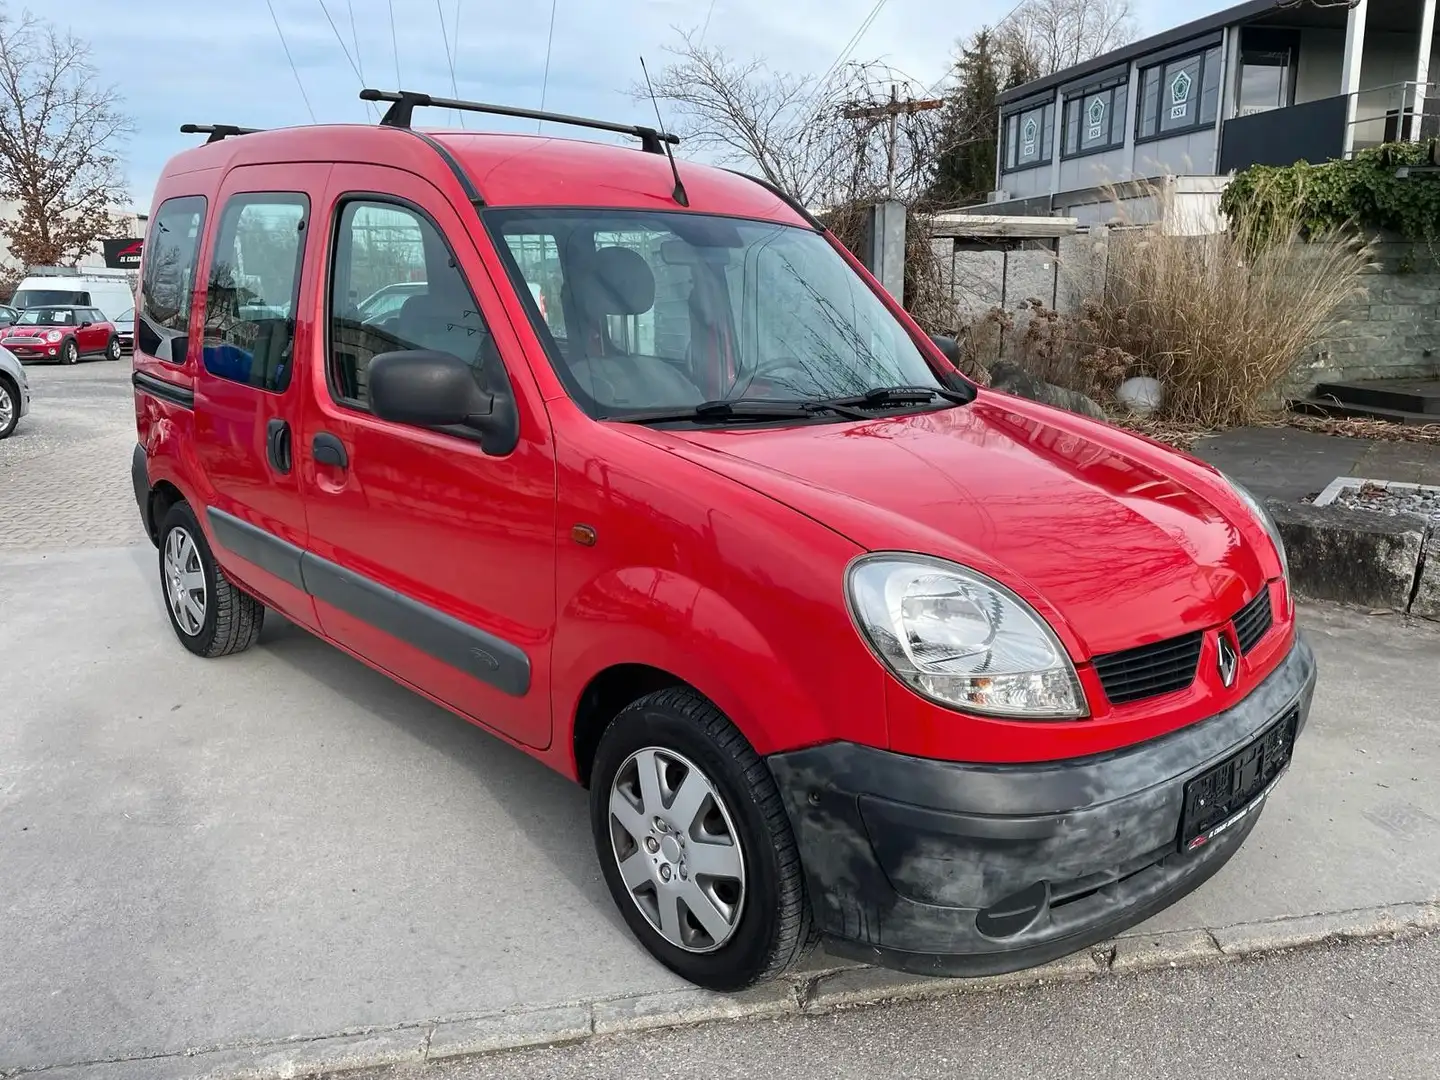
(173, 64)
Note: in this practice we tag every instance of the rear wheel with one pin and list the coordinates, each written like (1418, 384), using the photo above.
(209, 615)
(112, 351)
(695, 845)
(9, 407)
(69, 352)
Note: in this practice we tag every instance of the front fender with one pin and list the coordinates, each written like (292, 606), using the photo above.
(663, 619)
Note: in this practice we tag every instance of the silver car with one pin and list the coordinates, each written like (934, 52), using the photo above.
(14, 392)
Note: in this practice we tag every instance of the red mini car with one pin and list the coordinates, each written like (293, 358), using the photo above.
(61, 334)
(842, 645)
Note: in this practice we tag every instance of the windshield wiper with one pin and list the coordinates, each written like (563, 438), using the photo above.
(882, 396)
(748, 409)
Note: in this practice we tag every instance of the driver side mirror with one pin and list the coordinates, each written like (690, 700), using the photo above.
(84, 323)
(433, 389)
(949, 347)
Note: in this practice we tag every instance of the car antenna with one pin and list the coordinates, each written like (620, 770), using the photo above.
(680, 196)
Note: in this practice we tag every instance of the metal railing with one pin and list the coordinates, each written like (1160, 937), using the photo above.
(1397, 112)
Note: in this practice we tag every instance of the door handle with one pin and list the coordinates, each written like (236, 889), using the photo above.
(328, 450)
(277, 443)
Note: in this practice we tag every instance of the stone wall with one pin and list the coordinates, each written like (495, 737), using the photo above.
(1392, 331)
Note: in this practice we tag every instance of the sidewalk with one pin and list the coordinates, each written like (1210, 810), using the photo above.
(286, 846)
(1292, 464)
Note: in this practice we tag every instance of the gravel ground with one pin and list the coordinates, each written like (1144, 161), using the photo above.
(1346, 1011)
(1391, 501)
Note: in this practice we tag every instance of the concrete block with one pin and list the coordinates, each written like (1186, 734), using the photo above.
(1144, 952)
(1352, 556)
(509, 1031)
(669, 1008)
(1427, 592)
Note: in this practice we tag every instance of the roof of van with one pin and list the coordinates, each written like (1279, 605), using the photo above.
(503, 169)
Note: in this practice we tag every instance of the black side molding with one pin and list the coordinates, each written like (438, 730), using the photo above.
(165, 391)
(466, 184)
(140, 480)
(464, 647)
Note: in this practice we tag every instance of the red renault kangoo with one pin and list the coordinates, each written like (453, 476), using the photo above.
(842, 645)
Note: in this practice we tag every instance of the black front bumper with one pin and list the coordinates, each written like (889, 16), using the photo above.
(943, 868)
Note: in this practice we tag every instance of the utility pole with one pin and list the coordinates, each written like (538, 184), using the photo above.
(891, 112)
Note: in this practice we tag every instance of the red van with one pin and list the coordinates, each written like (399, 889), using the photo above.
(842, 645)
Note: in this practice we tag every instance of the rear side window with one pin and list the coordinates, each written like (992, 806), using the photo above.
(394, 286)
(172, 248)
(253, 289)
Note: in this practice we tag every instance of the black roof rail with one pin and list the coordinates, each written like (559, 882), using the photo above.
(404, 103)
(217, 131)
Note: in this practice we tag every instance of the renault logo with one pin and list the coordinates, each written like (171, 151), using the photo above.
(1228, 661)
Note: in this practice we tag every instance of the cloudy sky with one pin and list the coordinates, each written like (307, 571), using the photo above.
(174, 64)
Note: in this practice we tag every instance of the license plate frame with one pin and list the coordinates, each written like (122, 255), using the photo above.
(1229, 791)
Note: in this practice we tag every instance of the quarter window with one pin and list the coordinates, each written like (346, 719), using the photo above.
(254, 288)
(1180, 95)
(1095, 118)
(395, 285)
(1029, 136)
(168, 281)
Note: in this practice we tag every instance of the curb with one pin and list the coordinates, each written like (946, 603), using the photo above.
(807, 993)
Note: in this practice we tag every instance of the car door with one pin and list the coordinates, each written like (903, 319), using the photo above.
(96, 336)
(434, 560)
(261, 280)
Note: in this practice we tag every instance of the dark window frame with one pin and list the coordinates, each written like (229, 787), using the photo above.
(1042, 106)
(378, 198)
(242, 199)
(1111, 86)
(147, 280)
(1200, 51)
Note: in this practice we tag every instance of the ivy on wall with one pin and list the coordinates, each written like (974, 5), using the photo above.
(1362, 191)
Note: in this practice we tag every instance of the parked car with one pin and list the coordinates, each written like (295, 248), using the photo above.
(125, 329)
(14, 392)
(8, 314)
(841, 644)
(61, 334)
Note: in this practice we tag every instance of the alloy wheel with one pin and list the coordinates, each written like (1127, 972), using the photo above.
(677, 849)
(185, 581)
(7, 407)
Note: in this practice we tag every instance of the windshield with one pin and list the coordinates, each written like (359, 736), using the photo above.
(128, 315)
(28, 298)
(46, 317)
(655, 311)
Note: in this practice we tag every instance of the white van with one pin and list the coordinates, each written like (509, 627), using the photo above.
(108, 290)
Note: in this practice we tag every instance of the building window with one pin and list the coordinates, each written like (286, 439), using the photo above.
(167, 285)
(254, 289)
(1095, 118)
(1029, 137)
(1179, 95)
(1267, 69)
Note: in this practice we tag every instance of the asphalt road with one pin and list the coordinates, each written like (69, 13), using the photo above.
(1365, 1011)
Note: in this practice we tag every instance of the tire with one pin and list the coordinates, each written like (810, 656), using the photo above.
(9, 406)
(228, 620)
(769, 928)
(112, 350)
(69, 352)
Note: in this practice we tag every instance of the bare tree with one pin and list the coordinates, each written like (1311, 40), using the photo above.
(60, 135)
(795, 133)
(1047, 36)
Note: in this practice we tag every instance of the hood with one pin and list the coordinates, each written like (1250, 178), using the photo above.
(1112, 539)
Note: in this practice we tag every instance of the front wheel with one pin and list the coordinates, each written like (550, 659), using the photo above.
(69, 352)
(112, 351)
(209, 615)
(695, 845)
(9, 407)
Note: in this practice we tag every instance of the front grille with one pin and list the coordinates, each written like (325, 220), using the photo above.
(1253, 621)
(1150, 670)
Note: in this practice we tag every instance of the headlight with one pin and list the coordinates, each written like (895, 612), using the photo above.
(53, 336)
(962, 640)
(1263, 516)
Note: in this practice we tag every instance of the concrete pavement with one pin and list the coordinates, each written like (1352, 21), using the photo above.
(283, 846)
(1347, 1011)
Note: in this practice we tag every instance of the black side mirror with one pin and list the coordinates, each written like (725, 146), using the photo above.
(439, 390)
(949, 346)
(84, 323)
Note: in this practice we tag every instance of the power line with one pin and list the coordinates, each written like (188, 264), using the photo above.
(545, 83)
(445, 40)
(1009, 15)
(706, 28)
(845, 52)
(455, 51)
(294, 70)
(395, 46)
(340, 38)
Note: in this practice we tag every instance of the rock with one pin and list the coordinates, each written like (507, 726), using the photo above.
(1141, 395)
(1014, 379)
(1353, 556)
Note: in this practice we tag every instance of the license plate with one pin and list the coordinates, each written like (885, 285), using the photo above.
(1222, 796)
